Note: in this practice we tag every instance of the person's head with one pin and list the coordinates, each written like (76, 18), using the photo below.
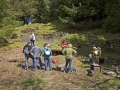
(28, 43)
(64, 40)
(46, 44)
(94, 48)
(69, 45)
(33, 34)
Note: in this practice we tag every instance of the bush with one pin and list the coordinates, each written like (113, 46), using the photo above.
(112, 21)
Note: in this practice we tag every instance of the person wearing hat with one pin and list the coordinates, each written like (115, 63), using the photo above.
(68, 52)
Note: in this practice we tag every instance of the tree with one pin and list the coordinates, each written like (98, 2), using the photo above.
(112, 21)
(2, 12)
(44, 11)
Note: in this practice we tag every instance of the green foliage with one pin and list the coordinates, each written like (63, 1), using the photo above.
(112, 22)
(43, 11)
(80, 14)
(32, 83)
(2, 11)
(111, 82)
(7, 31)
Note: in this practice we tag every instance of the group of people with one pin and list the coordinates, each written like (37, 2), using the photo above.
(31, 50)
(34, 52)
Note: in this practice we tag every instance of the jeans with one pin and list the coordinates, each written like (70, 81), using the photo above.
(35, 61)
(48, 63)
(68, 65)
(63, 47)
(26, 60)
(32, 42)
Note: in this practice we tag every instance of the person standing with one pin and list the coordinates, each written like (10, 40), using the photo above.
(32, 39)
(47, 53)
(63, 44)
(68, 52)
(26, 51)
(36, 53)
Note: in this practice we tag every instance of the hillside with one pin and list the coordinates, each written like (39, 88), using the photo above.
(13, 75)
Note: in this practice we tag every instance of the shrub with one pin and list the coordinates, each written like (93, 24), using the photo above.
(112, 22)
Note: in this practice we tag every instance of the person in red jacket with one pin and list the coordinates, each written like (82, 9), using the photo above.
(63, 44)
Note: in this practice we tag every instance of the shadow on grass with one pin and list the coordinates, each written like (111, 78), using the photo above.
(30, 67)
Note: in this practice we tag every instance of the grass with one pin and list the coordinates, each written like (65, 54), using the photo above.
(57, 80)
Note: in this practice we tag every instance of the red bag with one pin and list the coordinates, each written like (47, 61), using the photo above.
(54, 60)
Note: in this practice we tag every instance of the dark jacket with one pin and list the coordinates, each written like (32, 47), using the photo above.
(29, 48)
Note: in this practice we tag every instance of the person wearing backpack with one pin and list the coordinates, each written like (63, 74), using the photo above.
(26, 51)
(36, 53)
(68, 52)
(47, 53)
(32, 39)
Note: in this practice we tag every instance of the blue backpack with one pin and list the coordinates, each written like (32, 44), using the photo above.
(73, 69)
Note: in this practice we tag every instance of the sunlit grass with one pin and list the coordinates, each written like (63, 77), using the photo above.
(83, 40)
(16, 45)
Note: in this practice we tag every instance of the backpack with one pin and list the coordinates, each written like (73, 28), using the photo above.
(90, 73)
(31, 37)
(26, 51)
(47, 52)
(72, 69)
(99, 51)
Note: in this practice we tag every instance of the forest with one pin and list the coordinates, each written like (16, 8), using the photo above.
(79, 14)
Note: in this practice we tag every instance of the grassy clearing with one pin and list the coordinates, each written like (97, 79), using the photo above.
(14, 77)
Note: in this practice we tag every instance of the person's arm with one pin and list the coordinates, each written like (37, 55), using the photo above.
(65, 43)
(40, 51)
(43, 51)
(50, 52)
(23, 49)
(75, 52)
(63, 51)
(31, 50)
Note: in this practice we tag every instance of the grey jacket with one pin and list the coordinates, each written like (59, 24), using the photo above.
(36, 51)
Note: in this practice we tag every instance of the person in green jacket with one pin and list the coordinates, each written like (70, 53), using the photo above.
(68, 52)
(47, 53)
